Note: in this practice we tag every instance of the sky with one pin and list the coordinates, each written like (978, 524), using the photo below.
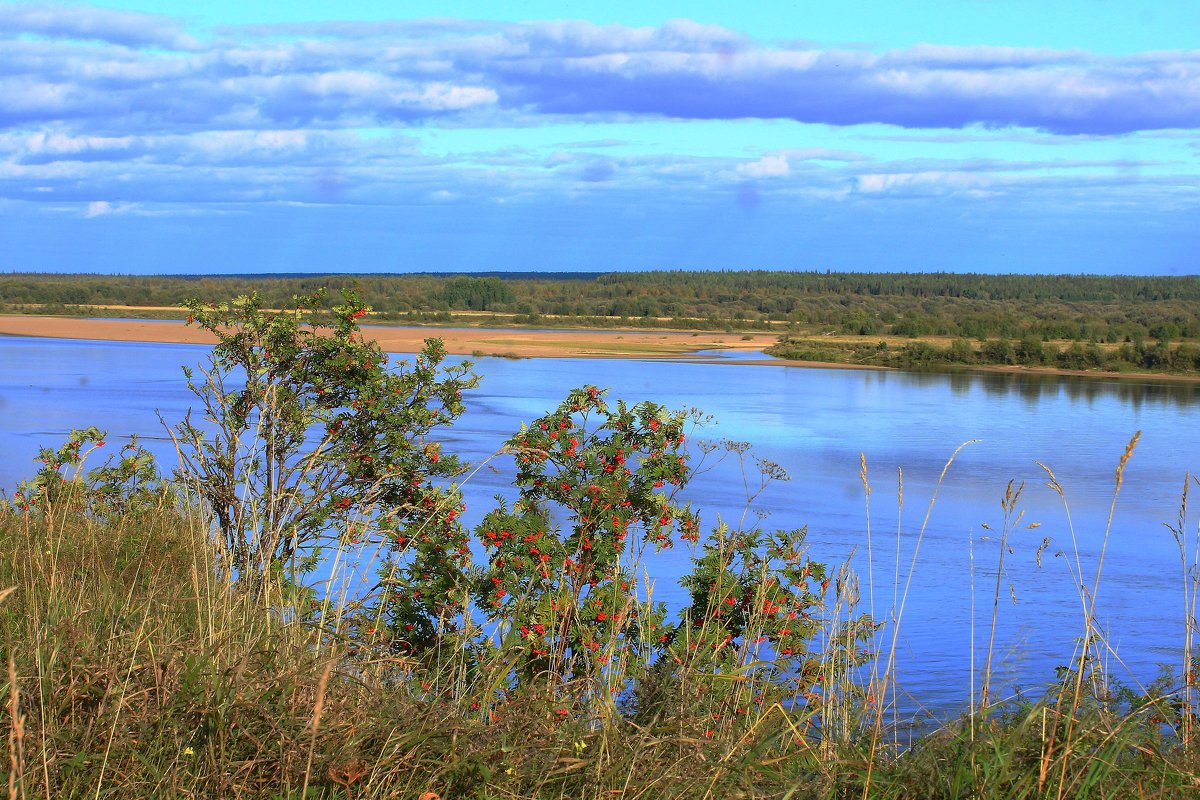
(1004, 136)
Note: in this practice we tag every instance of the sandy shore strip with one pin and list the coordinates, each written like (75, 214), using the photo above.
(478, 342)
(519, 343)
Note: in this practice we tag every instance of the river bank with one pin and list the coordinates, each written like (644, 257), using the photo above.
(467, 341)
(479, 342)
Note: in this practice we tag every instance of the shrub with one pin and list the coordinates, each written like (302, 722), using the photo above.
(306, 431)
(565, 600)
(124, 488)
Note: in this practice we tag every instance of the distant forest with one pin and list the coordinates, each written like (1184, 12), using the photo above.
(982, 318)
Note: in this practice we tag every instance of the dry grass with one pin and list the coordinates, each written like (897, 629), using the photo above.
(130, 672)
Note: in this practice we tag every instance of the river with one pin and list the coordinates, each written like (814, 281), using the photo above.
(816, 423)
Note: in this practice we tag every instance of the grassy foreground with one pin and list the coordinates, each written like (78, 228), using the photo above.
(129, 671)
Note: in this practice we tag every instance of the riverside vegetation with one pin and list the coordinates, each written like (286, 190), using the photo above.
(298, 611)
(913, 321)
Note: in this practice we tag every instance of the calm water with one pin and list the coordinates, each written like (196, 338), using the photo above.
(814, 422)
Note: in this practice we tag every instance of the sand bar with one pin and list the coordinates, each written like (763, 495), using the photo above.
(513, 342)
(519, 343)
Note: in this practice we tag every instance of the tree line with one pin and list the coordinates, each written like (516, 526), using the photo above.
(1027, 351)
(1075, 308)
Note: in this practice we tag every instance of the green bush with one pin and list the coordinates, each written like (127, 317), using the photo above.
(308, 432)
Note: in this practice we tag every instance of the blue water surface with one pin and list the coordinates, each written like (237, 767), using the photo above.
(816, 423)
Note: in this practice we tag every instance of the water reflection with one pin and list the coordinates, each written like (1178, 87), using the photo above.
(960, 382)
(1032, 386)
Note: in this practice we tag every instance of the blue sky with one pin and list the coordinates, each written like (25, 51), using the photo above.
(976, 135)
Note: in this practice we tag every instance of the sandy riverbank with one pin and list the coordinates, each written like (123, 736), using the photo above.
(513, 342)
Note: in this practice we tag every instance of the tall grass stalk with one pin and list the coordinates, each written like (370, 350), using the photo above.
(971, 647)
(1011, 518)
(1090, 630)
(1189, 564)
(16, 734)
(889, 675)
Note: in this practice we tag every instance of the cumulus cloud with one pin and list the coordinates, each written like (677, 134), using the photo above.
(103, 208)
(97, 208)
(88, 22)
(1102, 96)
(771, 166)
(146, 72)
(922, 182)
(110, 104)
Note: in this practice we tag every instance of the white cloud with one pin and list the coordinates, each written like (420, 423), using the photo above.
(928, 182)
(104, 24)
(346, 76)
(98, 208)
(448, 97)
(103, 208)
(54, 143)
(769, 166)
(318, 114)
